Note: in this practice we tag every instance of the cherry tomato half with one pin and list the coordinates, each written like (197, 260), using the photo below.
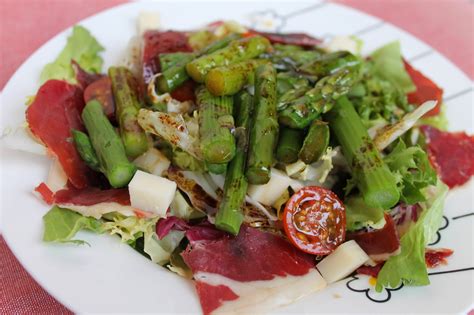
(315, 220)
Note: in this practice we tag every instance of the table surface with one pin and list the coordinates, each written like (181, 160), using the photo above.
(446, 25)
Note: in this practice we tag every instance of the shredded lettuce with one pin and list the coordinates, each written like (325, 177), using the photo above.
(83, 48)
(160, 250)
(413, 171)
(388, 64)
(409, 266)
(61, 225)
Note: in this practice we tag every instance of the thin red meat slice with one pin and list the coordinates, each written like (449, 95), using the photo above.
(378, 244)
(55, 111)
(185, 92)
(299, 39)
(91, 196)
(436, 257)
(269, 254)
(372, 271)
(205, 232)
(252, 255)
(157, 42)
(45, 193)
(101, 90)
(211, 297)
(451, 154)
(426, 90)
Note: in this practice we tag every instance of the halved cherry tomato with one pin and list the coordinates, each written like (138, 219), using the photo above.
(315, 220)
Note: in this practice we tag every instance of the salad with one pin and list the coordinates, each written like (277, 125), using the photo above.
(261, 166)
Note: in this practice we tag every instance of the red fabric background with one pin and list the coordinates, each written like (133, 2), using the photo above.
(447, 25)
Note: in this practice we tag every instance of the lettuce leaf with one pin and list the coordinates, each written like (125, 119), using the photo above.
(409, 266)
(388, 64)
(82, 47)
(360, 215)
(413, 171)
(160, 250)
(439, 121)
(61, 225)
(128, 228)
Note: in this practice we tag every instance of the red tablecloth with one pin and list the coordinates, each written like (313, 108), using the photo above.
(25, 25)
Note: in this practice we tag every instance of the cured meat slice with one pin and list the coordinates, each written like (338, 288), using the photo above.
(261, 268)
(55, 111)
(451, 154)
(378, 244)
(426, 90)
(157, 42)
(92, 196)
(101, 90)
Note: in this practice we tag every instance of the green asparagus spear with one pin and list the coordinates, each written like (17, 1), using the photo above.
(331, 63)
(372, 176)
(237, 50)
(315, 143)
(127, 105)
(228, 80)
(85, 149)
(229, 216)
(168, 60)
(216, 168)
(107, 145)
(215, 124)
(173, 67)
(289, 144)
(173, 76)
(301, 112)
(264, 131)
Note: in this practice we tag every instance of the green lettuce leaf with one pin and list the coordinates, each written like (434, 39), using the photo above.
(160, 250)
(360, 215)
(82, 47)
(128, 228)
(413, 171)
(388, 64)
(61, 225)
(409, 266)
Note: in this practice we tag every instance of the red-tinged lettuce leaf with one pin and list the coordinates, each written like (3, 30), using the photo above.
(166, 225)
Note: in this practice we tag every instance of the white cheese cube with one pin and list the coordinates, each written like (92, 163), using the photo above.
(342, 262)
(151, 193)
(347, 43)
(153, 161)
(269, 193)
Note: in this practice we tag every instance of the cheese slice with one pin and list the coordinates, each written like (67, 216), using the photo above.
(342, 262)
(57, 178)
(151, 193)
(148, 20)
(269, 193)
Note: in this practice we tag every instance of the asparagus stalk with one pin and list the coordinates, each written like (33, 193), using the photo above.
(264, 131)
(331, 63)
(215, 124)
(168, 60)
(289, 145)
(315, 143)
(236, 51)
(229, 215)
(228, 80)
(373, 178)
(127, 105)
(85, 149)
(301, 112)
(173, 67)
(107, 145)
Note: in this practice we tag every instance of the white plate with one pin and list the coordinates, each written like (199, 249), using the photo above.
(111, 277)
